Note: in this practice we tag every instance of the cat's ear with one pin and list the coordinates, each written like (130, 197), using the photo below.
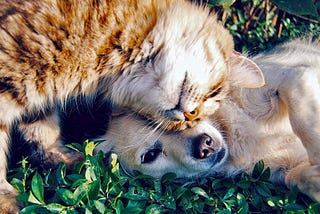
(244, 72)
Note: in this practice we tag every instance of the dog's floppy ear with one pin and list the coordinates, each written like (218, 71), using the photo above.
(244, 72)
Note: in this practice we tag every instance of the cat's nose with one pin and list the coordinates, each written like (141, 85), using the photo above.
(192, 115)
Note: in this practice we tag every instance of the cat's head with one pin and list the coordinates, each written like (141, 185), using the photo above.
(183, 68)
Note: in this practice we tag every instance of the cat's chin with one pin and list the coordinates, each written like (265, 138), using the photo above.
(169, 124)
(181, 125)
(158, 120)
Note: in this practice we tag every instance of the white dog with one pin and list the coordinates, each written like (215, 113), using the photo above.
(278, 123)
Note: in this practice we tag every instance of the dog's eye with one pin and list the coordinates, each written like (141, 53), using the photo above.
(150, 156)
(214, 93)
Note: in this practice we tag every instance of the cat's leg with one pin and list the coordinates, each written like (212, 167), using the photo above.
(9, 111)
(8, 203)
(307, 178)
(46, 132)
(300, 93)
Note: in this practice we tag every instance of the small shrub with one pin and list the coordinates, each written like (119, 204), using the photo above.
(257, 25)
(91, 187)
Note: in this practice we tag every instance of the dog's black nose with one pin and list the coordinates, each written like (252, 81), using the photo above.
(204, 146)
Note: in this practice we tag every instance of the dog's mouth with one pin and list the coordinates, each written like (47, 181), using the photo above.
(220, 158)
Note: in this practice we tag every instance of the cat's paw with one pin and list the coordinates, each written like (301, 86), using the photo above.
(8, 202)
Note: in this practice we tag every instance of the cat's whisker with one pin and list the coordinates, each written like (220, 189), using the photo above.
(150, 130)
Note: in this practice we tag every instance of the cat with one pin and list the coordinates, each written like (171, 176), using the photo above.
(166, 60)
(277, 123)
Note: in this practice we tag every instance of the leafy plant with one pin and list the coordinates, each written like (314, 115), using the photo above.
(260, 24)
(91, 187)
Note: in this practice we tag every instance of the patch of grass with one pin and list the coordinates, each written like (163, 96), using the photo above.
(257, 25)
(93, 188)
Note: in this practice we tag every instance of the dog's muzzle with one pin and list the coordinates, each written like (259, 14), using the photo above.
(206, 148)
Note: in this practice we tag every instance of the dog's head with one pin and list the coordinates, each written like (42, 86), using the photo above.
(140, 146)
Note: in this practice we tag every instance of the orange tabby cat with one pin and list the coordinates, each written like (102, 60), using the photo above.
(167, 60)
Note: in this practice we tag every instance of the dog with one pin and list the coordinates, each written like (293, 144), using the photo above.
(278, 123)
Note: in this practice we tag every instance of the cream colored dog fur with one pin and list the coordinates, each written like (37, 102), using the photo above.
(278, 123)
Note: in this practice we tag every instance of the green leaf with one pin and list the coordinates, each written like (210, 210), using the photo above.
(314, 208)
(153, 209)
(229, 193)
(244, 208)
(136, 193)
(100, 206)
(132, 210)
(216, 184)
(258, 169)
(37, 187)
(263, 189)
(114, 160)
(23, 197)
(78, 182)
(168, 177)
(135, 206)
(30, 209)
(223, 3)
(169, 202)
(244, 184)
(179, 192)
(89, 148)
(265, 174)
(114, 164)
(295, 207)
(75, 177)
(90, 174)
(88, 211)
(157, 186)
(17, 184)
(94, 189)
(119, 207)
(75, 146)
(80, 192)
(33, 199)
(66, 196)
(297, 7)
(225, 211)
(271, 202)
(200, 191)
(61, 173)
(55, 207)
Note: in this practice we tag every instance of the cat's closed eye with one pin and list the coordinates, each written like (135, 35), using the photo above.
(214, 93)
(151, 57)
